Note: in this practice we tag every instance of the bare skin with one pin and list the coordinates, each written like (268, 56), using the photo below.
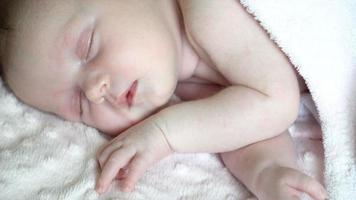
(240, 92)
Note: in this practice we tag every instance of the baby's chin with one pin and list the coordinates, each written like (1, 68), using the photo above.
(117, 131)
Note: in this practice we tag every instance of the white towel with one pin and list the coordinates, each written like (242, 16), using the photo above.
(319, 37)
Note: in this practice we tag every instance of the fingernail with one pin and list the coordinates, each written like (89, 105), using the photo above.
(99, 189)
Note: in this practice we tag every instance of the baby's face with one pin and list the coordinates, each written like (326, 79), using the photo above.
(92, 54)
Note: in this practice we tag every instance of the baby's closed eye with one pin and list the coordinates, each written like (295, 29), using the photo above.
(84, 44)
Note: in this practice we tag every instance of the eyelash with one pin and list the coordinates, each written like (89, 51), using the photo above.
(90, 44)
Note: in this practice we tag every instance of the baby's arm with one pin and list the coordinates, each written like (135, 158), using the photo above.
(235, 117)
(263, 98)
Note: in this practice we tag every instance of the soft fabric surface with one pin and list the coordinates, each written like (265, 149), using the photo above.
(43, 158)
(319, 37)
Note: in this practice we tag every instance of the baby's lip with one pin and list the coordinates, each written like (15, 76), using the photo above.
(130, 94)
(125, 98)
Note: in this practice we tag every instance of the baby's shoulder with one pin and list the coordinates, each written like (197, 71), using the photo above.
(216, 28)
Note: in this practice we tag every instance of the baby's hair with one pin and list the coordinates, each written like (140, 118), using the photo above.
(5, 14)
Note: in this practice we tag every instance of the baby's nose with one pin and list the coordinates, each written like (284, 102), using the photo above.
(96, 88)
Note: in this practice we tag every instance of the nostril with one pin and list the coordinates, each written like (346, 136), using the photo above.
(104, 85)
(104, 89)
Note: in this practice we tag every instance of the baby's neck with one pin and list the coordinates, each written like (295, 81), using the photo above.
(189, 59)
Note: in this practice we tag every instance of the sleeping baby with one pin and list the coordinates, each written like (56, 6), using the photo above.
(115, 65)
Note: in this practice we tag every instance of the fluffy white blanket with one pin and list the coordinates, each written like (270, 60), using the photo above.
(319, 36)
(43, 157)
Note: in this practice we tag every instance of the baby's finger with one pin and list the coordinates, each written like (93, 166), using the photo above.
(104, 154)
(292, 193)
(117, 160)
(308, 185)
(137, 168)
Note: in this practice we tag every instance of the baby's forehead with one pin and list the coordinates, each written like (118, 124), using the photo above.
(37, 29)
(29, 13)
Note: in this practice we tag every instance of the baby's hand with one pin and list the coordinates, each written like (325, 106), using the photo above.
(134, 151)
(283, 183)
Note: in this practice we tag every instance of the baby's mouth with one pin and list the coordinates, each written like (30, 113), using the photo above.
(130, 96)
